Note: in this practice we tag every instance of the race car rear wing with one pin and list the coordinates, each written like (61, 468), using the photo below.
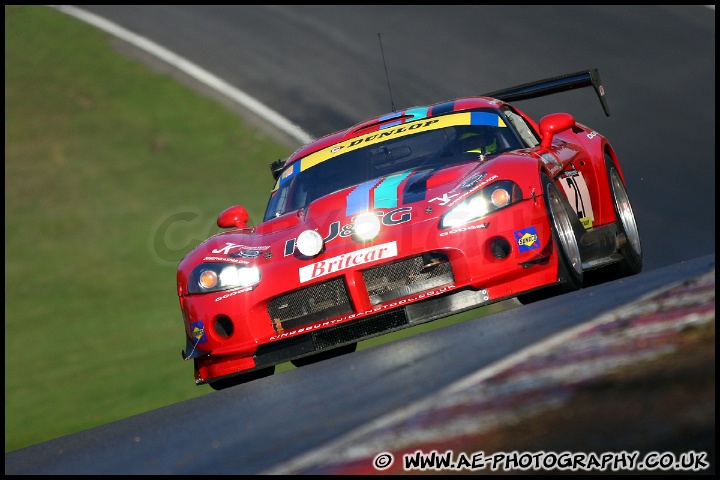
(549, 86)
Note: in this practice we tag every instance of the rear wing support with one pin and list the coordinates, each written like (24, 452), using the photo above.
(549, 86)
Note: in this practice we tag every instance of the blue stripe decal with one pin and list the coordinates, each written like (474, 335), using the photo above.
(484, 118)
(415, 187)
(417, 113)
(389, 116)
(358, 201)
(390, 124)
(386, 195)
(446, 107)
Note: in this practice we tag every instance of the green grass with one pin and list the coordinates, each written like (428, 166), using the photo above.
(113, 173)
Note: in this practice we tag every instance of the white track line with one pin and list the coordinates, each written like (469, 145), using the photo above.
(190, 69)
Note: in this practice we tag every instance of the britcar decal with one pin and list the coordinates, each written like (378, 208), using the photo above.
(527, 239)
(347, 260)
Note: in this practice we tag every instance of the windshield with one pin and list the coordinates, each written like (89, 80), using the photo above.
(436, 144)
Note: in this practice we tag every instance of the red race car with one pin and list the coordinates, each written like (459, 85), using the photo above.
(403, 219)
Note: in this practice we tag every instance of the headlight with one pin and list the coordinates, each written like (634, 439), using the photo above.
(213, 277)
(310, 243)
(488, 200)
(367, 227)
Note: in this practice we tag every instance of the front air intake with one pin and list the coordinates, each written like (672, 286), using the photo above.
(307, 305)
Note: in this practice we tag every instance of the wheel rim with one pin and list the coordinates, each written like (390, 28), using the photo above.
(564, 229)
(624, 209)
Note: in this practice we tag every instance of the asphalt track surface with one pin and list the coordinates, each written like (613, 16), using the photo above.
(321, 67)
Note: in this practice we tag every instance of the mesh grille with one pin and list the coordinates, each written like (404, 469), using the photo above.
(361, 328)
(323, 300)
(384, 283)
(394, 280)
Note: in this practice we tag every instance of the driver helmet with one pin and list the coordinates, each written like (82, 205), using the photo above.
(480, 140)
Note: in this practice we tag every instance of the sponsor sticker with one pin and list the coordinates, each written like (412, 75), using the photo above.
(578, 194)
(527, 239)
(226, 260)
(345, 318)
(198, 332)
(348, 260)
(230, 246)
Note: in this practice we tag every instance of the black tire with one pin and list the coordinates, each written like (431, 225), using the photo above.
(570, 270)
(631, 251)
(242, 378)
(319, 357)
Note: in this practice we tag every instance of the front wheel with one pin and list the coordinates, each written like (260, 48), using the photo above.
(570, 270)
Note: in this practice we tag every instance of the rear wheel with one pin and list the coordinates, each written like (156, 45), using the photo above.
(319, 357)
(570, 270)
(631, 251)
(242, 378)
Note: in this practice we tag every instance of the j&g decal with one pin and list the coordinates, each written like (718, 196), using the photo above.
(391, 218)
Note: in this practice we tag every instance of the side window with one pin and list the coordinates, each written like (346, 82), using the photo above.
(523, 128)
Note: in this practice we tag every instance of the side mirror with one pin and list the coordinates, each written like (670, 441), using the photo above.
(276, 167)
(235, 216)
(552, 124)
